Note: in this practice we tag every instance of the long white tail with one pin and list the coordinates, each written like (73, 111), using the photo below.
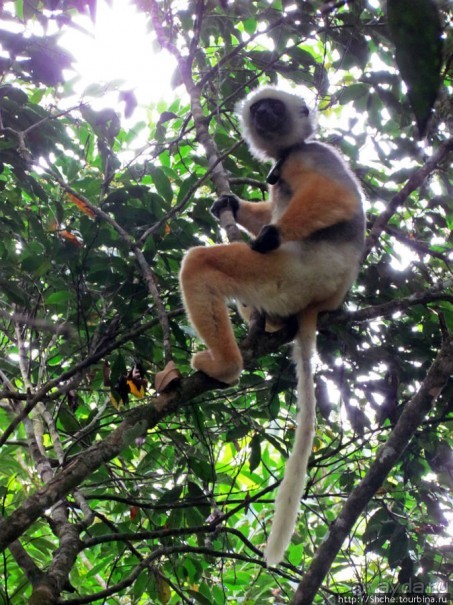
(287, 503)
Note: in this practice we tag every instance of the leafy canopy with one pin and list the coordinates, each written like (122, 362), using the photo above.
(104, 497)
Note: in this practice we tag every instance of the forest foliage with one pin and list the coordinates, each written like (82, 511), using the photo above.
(111, 493)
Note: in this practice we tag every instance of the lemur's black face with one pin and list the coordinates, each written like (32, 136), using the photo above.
(269, 116)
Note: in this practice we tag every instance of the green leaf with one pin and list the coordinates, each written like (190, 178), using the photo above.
(202, 469)
(16, 295)
(59, 299)
(117, 368)
(399, 546)
(416, 31)
(141, 583)
(237, 432)
(200, 499)
(255, 452)
(162, 183)
(171, 496)
(379, 528)
(198, 597)
(249, 26)
(353, 92)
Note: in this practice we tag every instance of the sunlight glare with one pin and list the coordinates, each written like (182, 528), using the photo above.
(118, 47)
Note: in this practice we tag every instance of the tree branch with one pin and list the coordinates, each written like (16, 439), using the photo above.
(71, 476)
(393, 306)
(412, 416)
(421, 248)
(415, 181)
(135, 424)
(145, 270)
(157, 554)
(25, 562)
(219, 175)
(63, 329)
(64, 377)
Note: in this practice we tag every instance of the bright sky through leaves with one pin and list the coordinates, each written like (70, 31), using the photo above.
(118, 47)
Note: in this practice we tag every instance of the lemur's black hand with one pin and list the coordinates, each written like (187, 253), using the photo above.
(227, 201)
(268, 239)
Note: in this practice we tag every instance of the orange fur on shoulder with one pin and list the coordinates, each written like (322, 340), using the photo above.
(317, 202)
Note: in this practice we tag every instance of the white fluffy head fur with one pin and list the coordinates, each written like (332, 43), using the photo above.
(298, 126)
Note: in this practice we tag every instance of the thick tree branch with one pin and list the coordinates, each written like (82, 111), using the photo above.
(137, 422)
(412, 416)
(51, 583)
(219, 176)
(25, 562)
(48, 585)
(71, 476)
